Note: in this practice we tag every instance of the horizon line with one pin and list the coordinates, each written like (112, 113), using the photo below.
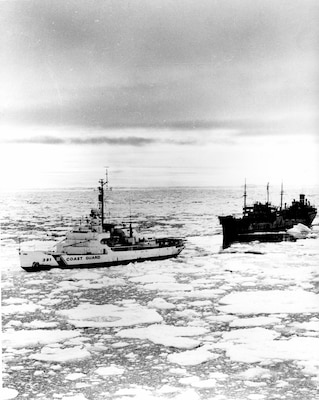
(158, 187)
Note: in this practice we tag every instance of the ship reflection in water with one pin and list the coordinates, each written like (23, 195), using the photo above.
(267, 223)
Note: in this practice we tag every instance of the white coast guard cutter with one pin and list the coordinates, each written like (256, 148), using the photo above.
(100, 244)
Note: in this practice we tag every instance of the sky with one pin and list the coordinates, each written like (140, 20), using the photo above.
(163, 93)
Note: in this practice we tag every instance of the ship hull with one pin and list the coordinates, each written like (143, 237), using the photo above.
(267, 223)
(36, 260)
(244, 230)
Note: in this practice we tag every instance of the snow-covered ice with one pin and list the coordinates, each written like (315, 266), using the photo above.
(236, 324)
(67, 354)
(270, 302)
(172, 336)
(109, 315)
(27, 307)
(111, 370)
(26, 338)
(74, 376)
(8, 393)
(192, 357)
(161, 304)
(254, 321)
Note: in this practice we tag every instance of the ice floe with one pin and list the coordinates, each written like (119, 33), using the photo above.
(220, 319)
(55, 354)
(254, 321)
(87, 284)
(8, 393)
(109, 315)
(256, 396)
(196, 382)
(161, 304)
(12, 323)
(140, 393)
(201, 293)
(250, 334)
(34, 282)
(270, 302)
(256, 345)
(299, 231)
(167, 335)
(86, 275)
(306, 326)
(108, 371)
(153, 278)
(25, 338)
(78, 396)
(50, 301)
(26, 307)
(187, 314)
(168, 287)
(192, 357)
(255, 373)
(15, 300)
(178, 371)
(40, 324)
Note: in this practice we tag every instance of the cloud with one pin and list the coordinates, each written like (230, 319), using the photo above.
(38, 140)
(95, 140)
(135, 141)
(170, 33)
(173, 64)
(121, 141)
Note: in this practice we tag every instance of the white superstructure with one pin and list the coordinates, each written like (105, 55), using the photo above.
(97, 244)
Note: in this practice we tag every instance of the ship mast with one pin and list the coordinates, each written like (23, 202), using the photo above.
(281, 195)
(104, 185)
(268, 193)
(131, 229)
(106, 178)
(101, 199)
(245, 194)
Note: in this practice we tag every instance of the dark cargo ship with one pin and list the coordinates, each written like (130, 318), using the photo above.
(264, 222)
